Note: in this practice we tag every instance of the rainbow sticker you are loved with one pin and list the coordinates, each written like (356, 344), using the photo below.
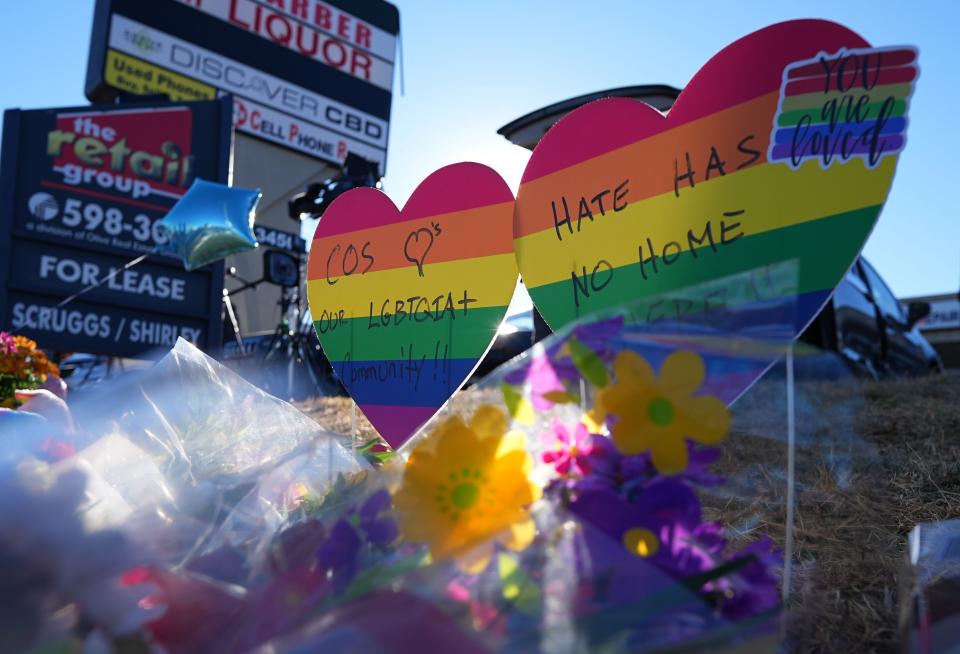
(849, 104)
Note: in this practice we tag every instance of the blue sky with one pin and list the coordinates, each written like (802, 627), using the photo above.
(471, 67)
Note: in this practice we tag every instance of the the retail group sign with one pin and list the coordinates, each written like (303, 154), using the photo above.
(82, 192)
(312, 76)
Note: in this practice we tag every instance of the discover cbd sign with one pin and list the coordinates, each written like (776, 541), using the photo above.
(314, 77)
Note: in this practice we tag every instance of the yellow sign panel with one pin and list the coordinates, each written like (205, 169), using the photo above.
(135, 76)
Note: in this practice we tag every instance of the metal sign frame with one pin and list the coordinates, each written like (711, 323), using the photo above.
(296, 80)
(112, 308)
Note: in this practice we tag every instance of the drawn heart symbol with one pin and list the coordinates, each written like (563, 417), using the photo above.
(757, 190)
(403, 338)
(411, 253)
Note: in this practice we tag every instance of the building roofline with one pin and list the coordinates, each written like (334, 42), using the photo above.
(935, 297)
(559, 108)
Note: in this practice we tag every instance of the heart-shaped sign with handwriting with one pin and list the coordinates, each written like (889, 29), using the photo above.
(406, 303)
(759, 187)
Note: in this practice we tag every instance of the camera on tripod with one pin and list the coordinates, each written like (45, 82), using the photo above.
(281, 268)
(289, 362)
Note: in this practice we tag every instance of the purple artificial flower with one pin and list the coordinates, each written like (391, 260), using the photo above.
(598, 337)
(340, 551)
(603, 459)
(632, 473)
(658, 527)
(589, 483)
(554, 371)
(379, 530)
(599, 462)
(609, 575)
(636, 470)
(543, 379)
(754, 587)
(661, 524)
(295, 546)
(600, 334)
(698, 466)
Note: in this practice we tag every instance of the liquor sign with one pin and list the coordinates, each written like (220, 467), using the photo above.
(311, 76)
(81, 192)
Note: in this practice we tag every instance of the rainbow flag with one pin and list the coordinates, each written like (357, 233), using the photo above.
(405, 304)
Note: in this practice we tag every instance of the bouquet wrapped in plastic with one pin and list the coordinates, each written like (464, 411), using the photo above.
(22, 367)
(570, 503)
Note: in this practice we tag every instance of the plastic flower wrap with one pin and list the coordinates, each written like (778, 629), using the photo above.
(196, 472)
(632, 482)
(572, 508)
(51, 564)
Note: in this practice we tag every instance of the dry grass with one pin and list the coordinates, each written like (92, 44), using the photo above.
(873, 459)
(338, 414)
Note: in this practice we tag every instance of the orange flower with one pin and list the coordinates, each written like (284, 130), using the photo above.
(24, 342)
(24, 363)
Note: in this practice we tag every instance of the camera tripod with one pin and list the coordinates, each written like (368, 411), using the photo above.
(290, 364)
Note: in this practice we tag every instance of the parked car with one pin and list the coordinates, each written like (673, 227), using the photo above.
(871, 329)
(514, 337)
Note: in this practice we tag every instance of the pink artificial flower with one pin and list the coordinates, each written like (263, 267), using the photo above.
(7, 345)
(457, 592)
(194, 611)
(55, 449)
(569, 451)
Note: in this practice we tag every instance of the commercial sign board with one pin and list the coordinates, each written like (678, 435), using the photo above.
(944, 314)
(311, 76)
(81, 192)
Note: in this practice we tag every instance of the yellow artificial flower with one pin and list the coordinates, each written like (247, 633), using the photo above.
(657, 414)
(594, 419)
(465, 487)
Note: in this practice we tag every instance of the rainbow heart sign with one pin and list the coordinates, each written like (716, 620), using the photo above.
(406, 303)
(777, 156)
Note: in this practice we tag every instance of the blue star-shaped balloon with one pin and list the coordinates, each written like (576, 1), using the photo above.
(210, 222)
